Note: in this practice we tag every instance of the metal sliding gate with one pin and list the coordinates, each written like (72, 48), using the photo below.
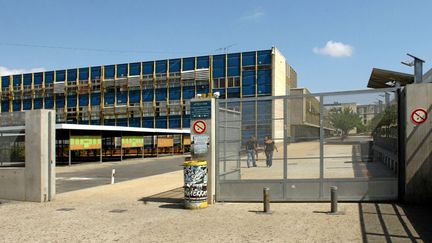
(344, 139)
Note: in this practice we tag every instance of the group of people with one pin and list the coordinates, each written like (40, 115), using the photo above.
(251, 147)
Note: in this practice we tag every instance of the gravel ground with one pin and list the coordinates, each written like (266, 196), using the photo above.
(136, 211)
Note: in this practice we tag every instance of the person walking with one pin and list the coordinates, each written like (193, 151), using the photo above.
(269, 147)
(251, 147)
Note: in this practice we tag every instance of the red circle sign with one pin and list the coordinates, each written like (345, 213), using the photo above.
(199, 127)
(418, 116)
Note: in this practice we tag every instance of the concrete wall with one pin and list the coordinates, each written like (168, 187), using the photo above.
(418, 145)
(36, 181)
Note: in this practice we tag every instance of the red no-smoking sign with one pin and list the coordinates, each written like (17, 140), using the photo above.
(199, 127)
(418, 116)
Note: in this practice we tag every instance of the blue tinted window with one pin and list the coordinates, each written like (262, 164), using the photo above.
(248, 78)
(60, 75)
(188, 92)
(5, 105)
(95, 73)
(135, 69)
(5, 81)
(161, 94)
(134, 96)
(203, 62)
(147, 95)
(109, 71)
(71, 74)
(71, 101)
(122, 70)
(16, 80)
(16, 105)
(219, 66)
(122, 97)
(38, 78)
(49, 102)
(109, 98)
(83, 74)
(248, 58)
(264, 57)
(147, 68)
(83, 100)
(174, 93)
(174, 65)
(147, 122)
(188, 63)
(161, 122)
(234, 64)
(174, 121)
(161, 66)
(264, 77)
(49, 77)
(37, 104)
(27, 79)
(95, 99)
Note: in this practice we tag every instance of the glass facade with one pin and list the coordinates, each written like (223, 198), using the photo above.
(153, 94)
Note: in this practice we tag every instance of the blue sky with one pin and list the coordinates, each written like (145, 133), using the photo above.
(333, 45)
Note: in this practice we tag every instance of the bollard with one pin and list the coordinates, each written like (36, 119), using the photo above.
(266, 200)
(334, 199)
(112, 176)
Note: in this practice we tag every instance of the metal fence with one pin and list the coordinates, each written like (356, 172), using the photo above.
(343, 139)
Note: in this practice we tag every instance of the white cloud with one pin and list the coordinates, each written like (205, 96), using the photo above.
(8, 71)
(255, 15)
(335, 49)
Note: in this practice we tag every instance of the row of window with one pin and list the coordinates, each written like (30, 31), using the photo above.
(221, 63)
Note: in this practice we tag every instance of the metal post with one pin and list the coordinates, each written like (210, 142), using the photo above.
(112, 176)
(334, 199)
(101, 150)
(70, 153)
(266, 200)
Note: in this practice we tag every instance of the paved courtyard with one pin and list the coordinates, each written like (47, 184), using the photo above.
(150, 210)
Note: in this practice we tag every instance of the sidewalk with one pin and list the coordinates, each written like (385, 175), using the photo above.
(119, 213)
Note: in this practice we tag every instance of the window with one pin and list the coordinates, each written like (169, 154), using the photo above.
(219, 83)
(234, 82)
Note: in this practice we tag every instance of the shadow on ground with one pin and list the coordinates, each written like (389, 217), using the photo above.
(173, 198)
(390, 222)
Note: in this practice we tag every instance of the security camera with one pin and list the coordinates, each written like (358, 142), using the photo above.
(216, 94)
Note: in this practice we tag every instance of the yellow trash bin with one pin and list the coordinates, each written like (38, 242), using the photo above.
(195, 184)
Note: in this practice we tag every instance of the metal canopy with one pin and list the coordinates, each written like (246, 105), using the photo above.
(380, 77)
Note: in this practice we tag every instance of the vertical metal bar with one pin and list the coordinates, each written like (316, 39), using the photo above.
(70, 153)
(321, 194)
(101, 149)
(285, 146)
(49, 157)
(217, 119)
(121, 146)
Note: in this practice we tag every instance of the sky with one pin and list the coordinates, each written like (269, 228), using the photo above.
(333, 45)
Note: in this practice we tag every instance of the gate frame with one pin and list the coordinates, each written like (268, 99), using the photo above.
(398, 180)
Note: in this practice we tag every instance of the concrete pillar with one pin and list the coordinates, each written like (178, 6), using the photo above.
(40, 156)
(418, 145)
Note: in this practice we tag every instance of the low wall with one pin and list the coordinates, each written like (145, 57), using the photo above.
(36, 181)
(12, 183)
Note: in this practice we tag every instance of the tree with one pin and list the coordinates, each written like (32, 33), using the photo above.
(344, 120)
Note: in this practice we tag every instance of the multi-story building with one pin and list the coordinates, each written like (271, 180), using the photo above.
(150, 94)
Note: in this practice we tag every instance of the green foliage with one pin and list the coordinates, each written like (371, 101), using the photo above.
(344, 120)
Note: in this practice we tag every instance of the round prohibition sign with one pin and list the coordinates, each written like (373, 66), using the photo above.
(199, 127)
(418, 116)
